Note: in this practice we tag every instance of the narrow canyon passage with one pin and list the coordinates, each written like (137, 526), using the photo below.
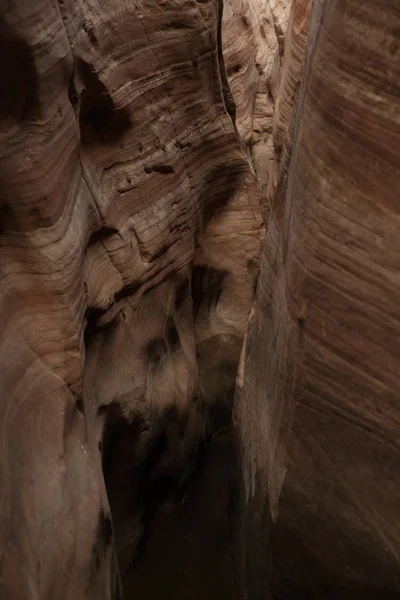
(200, 300)
(189, 554)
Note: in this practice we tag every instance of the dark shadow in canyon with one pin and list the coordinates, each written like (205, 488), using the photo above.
(192, 551)
(299, 572)
(188, 553)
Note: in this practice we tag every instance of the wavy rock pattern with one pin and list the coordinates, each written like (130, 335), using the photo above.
(136, 142)
(130, 237)
(317, 407)
(253, 42)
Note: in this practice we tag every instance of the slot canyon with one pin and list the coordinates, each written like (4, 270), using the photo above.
(200, 299)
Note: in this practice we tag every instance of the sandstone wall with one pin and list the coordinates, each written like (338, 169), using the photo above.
(253, 41)
(317, 409)
(139, 142)
(130, 234)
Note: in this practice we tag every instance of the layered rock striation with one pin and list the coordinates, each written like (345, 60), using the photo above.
(317, 408)
(130, 239)
(144, 149)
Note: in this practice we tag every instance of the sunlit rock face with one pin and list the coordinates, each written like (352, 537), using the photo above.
(130, 240)
(253, 35)
(317, 410)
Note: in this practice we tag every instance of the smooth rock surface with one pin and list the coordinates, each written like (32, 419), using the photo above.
(317, 408)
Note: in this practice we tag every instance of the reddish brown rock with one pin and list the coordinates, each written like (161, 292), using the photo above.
(253, 36)
(132, 168)
(318, 410)
(130, 237)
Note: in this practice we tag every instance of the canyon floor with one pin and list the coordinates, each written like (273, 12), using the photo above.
(189, 556)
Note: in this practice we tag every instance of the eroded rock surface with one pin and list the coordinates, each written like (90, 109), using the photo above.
(253, 42)
(130, 238)
(317, 410)
(139, 143)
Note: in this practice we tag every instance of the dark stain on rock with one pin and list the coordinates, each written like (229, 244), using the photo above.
(8, 219)
(102, 409)
(172, 334)
(19, 89)
(119, 437)
(161, 250)
(72, 93)
(255, 282)
(233, 69)
(175, 25)
(219, 187)
(104, 538)
(182, 293)
(137, 480)
(207, 286)
(128, 290)
(189, 553)
(92, 326)
(394, 45)
(88, 28)
(253, 267)
(183, 144)
(102, 234)
(158, 168)
(105, 529)
(22, 218)
(219, 415)
(141, 473)
(100, 120)
(157, 449)
(155, 351)
(170, 414)
(72, 416)
(79, 404)
(37, 217)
